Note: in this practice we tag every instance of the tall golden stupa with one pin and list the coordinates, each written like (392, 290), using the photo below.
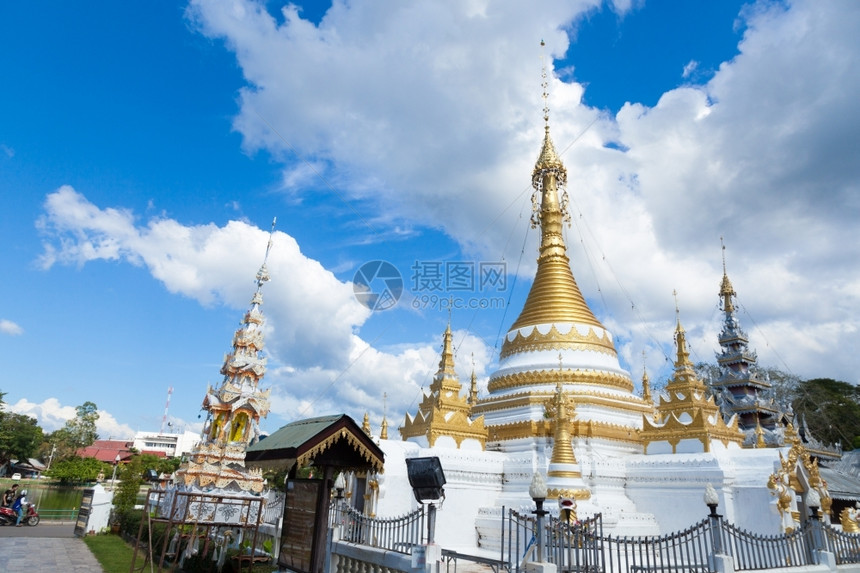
(557, 341)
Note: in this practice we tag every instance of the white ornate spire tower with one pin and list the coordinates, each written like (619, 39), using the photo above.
(234, 409)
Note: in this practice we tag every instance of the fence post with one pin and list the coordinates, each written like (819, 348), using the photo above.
(718, 561)
(538, 492)
(819, 548)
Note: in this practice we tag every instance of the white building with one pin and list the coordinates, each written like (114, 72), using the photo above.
(173, 445)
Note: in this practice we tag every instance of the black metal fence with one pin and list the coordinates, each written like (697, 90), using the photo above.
(398, 534)
(844, 546)
(582, 547)
(752, 551)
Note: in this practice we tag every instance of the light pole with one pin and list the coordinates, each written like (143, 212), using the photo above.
(339, 486)
(537, 491)
(113, 477)
(712, 500)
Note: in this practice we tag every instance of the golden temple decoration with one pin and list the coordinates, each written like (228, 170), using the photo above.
(556, 340)
(786, 481)
(540, 377)
(307, 457)
(850, 519)
(560, 409)
(444, 412)
(582, 397)
(579, 494)
(685, 412)
(556, 318)
(578, 428)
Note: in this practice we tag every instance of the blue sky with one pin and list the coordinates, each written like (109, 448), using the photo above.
(146, 147)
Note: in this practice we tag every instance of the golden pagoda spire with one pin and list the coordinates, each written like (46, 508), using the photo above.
(759, 435)
(561, 410)
(727, 291)
(554, 296)
(446, 362)
(383, 433)
(444, 412)
(682, 360)
(646, 382)
(473, 387)
(365, 425)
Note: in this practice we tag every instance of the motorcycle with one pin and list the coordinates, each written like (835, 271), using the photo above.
(9, 517)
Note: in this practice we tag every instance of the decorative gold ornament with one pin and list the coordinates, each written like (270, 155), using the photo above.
(444, 412)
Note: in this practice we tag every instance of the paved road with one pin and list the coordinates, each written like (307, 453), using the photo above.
(45, 548)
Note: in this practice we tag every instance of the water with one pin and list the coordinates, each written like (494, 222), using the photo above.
(50, 497)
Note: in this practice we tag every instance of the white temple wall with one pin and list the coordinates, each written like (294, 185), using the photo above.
(653, 480)
(548, 360)
(473, 480)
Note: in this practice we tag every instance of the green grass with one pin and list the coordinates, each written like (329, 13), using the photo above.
(114, 555)
(112, 552)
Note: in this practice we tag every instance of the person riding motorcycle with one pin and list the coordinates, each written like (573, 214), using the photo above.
(9, 495)
(18, 506)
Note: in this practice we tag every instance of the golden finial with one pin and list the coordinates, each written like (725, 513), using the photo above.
(560, 408)
(726, 289)
(473, 388)
(365, 425)
(683, 356)
(544, 84)
(759, 432)
(646, 383)
(383, 433)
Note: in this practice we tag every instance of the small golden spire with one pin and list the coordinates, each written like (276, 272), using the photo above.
(446, 363)
(562, 412)
(646, 383)
(727, 291)
(473, 388)
(365, 425)
(683, 355)
(560, 408)
(383, 433)
(759, 433)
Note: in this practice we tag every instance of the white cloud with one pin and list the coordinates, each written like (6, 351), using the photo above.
(317, 363)
(212, 265)
(440, 102)
(690, 69)
(435, 108)
(9, 327)
(51, 416)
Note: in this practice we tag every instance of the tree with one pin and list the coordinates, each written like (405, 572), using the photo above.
(82, 428)
(20, 437)
(78, 470)
(831, 409)
(79, 432)
(131, 478)
(783, 385)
